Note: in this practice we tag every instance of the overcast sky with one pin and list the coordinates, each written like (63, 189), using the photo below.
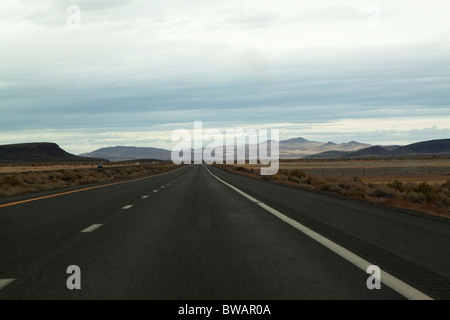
(372, 71)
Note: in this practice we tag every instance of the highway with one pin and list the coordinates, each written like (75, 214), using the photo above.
(202, 233)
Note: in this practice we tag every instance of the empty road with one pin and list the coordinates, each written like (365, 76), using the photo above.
(203, 233)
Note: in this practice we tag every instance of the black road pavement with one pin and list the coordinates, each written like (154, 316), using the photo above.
(187, 235)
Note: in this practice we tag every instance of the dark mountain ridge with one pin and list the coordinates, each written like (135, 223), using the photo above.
(431, 148)
(39, 152)
(121, 153)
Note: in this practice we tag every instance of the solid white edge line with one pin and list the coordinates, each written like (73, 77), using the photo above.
(92, 228)
(234, 188)
(5, 282)
(394, 283)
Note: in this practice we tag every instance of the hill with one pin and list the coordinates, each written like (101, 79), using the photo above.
(419, 149)
(300, 147)
(374, 151)
(121, 153)
(292, 148)
(328, 155)
(39, 152)
(432, 147)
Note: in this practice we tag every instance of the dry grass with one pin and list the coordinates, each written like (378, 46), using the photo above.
(20, 183)
(30, 167)
(372, 171)
(424, 196)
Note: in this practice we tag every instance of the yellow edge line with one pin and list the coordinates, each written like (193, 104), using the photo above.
(79, 190)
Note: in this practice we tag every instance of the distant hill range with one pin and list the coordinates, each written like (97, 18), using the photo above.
(39, 152)
(300, 147)
(297, 148)
(430, 148)
(129, 153)
(289, 149)
(292, 148)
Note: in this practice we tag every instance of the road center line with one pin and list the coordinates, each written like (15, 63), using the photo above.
(5, 282)
(388, 279)
(91, 228)
(127, 207)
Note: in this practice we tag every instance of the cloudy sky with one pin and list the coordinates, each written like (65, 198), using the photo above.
(129, 72)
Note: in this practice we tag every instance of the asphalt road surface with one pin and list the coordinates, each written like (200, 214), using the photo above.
(203, 233)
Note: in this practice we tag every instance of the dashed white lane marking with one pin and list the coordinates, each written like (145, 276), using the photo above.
(5, 282)
(127, 207)
(162, 187)
(167, 184)
(155, 190)
(92, 228)
(396, 284)
(144, 197)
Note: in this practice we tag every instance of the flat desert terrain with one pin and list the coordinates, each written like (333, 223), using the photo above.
(372, 171)
(416, 184)
(25, 168)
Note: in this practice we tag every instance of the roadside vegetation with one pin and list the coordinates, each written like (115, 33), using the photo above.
(21, 183)
(431, 198)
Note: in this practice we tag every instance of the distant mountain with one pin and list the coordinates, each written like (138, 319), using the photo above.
(432, 147)
(420, 149)
(353, 145)
(291, 148)
(327, 155)
(300, 147)
(330, 144)
(371, 151)
(38, 152)
(121, 153)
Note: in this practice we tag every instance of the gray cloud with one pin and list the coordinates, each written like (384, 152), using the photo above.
(135, 65)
